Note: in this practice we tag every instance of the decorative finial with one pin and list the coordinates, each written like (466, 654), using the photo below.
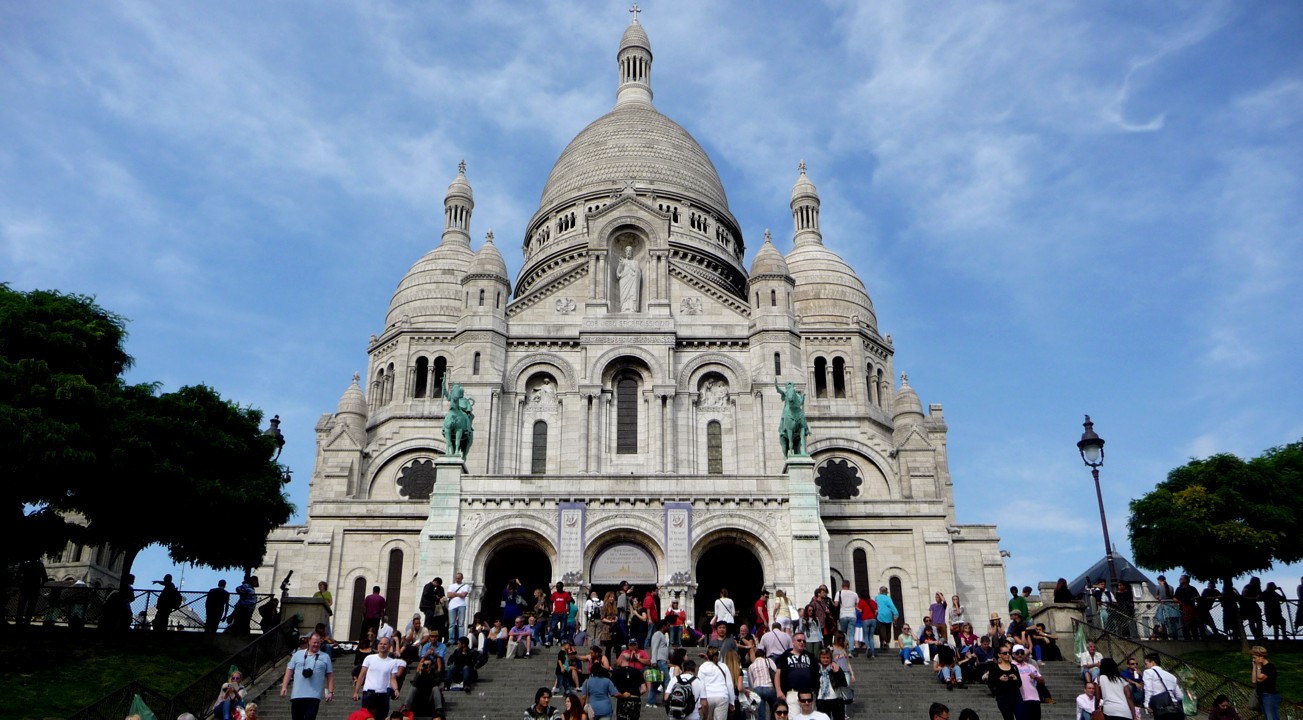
(768, 237)
(635, 10)
(356, 377)
(488, 236)
(461, 167)
(801, 166)
(904, 379)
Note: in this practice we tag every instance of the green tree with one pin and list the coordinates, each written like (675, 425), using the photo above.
(61, 357)
(187, 469)
(1223, 517)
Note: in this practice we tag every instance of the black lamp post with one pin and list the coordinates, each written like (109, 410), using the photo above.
(1092, 453)
(274, 432)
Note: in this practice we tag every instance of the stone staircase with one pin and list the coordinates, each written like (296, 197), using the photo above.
(885, 690)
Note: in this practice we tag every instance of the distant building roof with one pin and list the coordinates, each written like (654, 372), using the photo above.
(1127, 573)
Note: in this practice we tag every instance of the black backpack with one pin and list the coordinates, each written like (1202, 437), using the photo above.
(682, 701)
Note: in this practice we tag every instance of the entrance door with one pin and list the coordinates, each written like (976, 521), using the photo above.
(522, 561)
(728, 566)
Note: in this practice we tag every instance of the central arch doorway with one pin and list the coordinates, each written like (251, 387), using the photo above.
(519, 560)
(733, 566)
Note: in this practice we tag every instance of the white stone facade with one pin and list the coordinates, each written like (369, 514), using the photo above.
(634, 428)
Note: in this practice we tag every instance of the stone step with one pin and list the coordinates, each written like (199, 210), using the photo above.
(884, 688)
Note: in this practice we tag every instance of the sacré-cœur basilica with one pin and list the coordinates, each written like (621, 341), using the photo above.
(625, 411)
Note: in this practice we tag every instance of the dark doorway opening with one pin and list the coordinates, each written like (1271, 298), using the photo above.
(521, 561)
(729, 566)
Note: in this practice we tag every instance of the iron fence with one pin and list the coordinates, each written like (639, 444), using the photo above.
(1214, 621)
(86, 606)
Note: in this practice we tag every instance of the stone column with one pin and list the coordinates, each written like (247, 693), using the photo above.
(438, 542)
(810, 561)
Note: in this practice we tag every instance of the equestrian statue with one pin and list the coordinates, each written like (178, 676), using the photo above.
(457, 430)
(794, 428)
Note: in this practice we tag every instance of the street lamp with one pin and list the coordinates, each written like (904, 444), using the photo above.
(274, 432)
(1092, 453)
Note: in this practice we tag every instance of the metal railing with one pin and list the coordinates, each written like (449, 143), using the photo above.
(1206, 684)
(253, 660)
(1214, 621)
(86, 606)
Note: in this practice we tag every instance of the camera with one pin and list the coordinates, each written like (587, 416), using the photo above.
(307, 672)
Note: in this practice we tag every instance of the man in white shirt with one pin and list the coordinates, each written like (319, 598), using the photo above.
(386, 630)
(775, 643)
(379, 676)
(805, 708)
(847, 601)
(689, 678)
(1090, 661)
(1157, 681)
(718, 690)
(457, 594)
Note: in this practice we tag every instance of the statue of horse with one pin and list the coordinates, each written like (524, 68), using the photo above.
(794, 427)
(458, 432)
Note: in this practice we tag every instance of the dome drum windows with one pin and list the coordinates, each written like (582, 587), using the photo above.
(826, 374)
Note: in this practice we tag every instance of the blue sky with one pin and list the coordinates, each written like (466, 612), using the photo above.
(1057, 208)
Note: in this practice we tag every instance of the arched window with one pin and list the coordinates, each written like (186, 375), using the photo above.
(778, 364)
(773, 298)
(475, 365)
(538, 450)
(481, 297)
(440, 370)
(422, 377)
(497, 300)
(757, 298)
(860, 563)
(359, 597)
(626, 416)
(820, 377)
(714, 448)
(394, 585)
(881, 386)
(389, 383)
(838, 377)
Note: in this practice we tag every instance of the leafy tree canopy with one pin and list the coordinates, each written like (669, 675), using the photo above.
(186, 469)
(1223, 516)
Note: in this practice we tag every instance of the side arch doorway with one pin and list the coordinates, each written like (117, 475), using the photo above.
(732, 566)
(514, 560)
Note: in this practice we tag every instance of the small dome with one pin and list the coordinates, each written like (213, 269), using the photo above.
(488, 261)
(907, 402)
(803, 187)
(635, 36)
(768, 260)
(827, 289)
(431, 290)
(353, 402)
(460, 187)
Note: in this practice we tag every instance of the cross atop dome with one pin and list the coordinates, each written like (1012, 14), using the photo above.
(799, 166)
(635, 10)
(461, 167)
(488, 236)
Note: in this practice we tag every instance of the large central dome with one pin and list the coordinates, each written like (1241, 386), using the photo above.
(633, 142)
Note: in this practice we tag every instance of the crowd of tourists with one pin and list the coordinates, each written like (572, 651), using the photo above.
(614, 654)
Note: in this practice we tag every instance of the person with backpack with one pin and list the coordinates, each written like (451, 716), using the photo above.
(685, 694)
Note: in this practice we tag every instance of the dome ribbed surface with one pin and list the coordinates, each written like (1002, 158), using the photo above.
(460, 187)
(907, 402)
(352, 401)
(635, 36)
(488, 261)
(827, 289)
(769, 261)
(804, 188)
(431, 290)
(635, 142)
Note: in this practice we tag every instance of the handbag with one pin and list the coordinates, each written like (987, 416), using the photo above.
(1163, 704)
(846, 694)
(1098, 712)
(1255, 702)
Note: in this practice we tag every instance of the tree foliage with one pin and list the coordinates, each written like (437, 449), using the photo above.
(185, 469)
(1223, 516)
